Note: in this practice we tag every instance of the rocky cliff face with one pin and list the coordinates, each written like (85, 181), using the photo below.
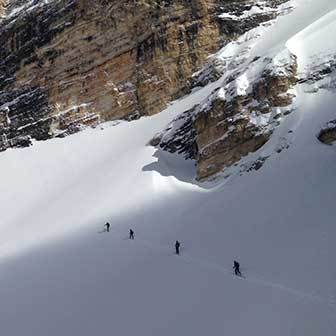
(237, 118)
(237, 123)
(67, 64)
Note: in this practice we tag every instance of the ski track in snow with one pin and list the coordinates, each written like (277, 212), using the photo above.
(331, 304)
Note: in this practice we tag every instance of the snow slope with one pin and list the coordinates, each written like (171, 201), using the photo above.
(61, 276)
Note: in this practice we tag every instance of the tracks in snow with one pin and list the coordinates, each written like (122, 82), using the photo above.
(251, 279)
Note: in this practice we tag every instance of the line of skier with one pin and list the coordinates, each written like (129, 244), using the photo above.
(236, 265)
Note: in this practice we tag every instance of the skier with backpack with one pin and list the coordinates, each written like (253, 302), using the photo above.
(236, 267)
(131, 234)
(107, 227)
(177, 247)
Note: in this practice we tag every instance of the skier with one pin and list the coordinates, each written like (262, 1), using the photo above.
(107, 227)
(236, 267)
(177, 247)
(131, 234)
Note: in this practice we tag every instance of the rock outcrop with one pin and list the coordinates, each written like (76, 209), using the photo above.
(321, 75)
(179, 136)
(229, 130)
(67, 64)
(328, 134)
(238, 117)
(230, 125)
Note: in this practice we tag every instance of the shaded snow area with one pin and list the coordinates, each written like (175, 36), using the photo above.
(62, 275)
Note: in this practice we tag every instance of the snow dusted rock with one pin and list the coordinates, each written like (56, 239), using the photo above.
(240, 116)
(237, 18)
(23, 114)
(179, 136)
(320, 74)
(254, 165)
(328, 134)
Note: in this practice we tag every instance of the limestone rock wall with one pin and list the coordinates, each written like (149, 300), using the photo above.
(254, 95)
(230, 128)
(69, 63)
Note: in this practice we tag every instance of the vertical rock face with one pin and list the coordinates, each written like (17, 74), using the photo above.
(240, 115)
(69, 63)
(237, 119)
(66, 64)
(232, 126)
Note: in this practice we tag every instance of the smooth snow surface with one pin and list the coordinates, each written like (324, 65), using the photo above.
(60, 275)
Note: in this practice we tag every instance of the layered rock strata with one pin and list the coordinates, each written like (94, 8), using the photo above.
(228, 126)
(66, 64)
(232, 127)
(69, 63)
(253, 95)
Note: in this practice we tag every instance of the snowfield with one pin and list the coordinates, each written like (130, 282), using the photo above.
(61, 275)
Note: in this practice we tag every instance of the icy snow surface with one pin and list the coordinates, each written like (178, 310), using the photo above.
(60, 275)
